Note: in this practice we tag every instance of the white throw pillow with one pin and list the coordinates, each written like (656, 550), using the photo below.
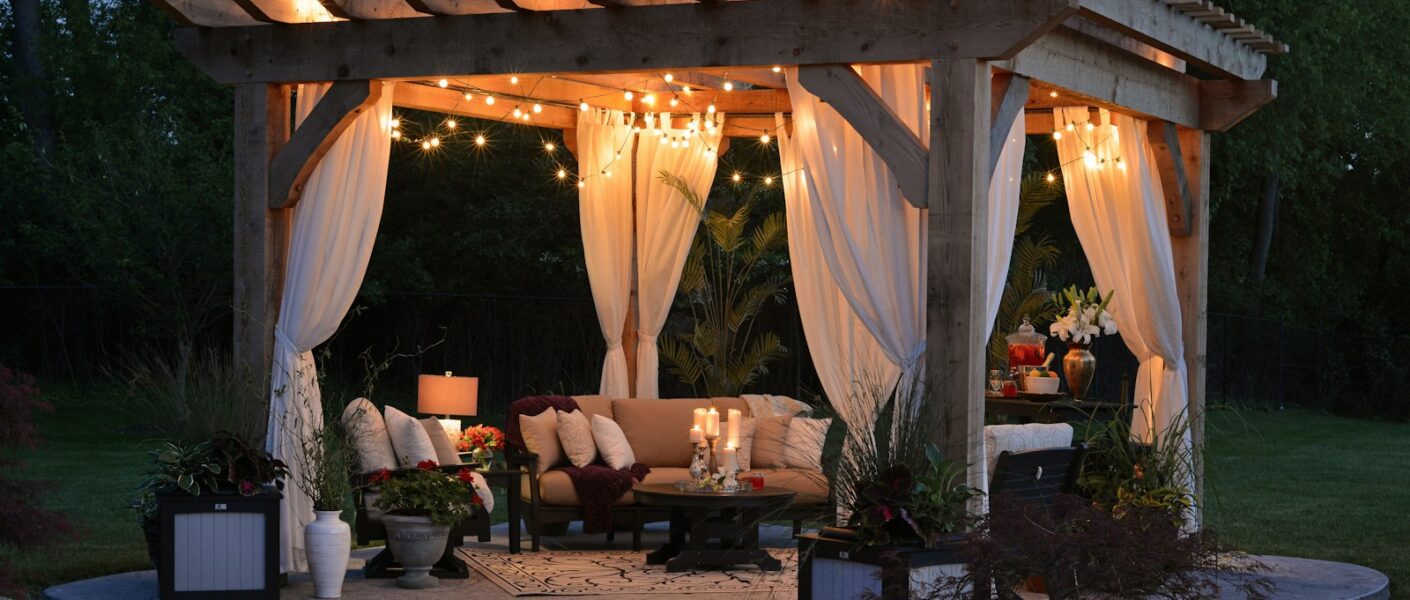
(747, 425)
(612, 443)
(368, 432)
(409, 438)
(541, 437)
(575, 433)
(804, 443)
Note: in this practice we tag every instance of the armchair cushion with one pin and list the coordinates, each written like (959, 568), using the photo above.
(1018, 438)
(409, 439)
(440, 441)
(575, 434)
(804, 443)
(368, 431)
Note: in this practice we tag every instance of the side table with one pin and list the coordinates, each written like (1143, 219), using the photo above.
(510, 481)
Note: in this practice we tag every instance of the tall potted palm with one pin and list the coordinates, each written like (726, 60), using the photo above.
(726, 283)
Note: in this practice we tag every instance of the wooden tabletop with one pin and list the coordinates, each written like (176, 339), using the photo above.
(666, 494)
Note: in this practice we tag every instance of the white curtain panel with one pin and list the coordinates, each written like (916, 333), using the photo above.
(871, 239)
(851, 364)
(666, 221)
(1004, 188)
(605, 207)
(334, 227)
(1118, 210)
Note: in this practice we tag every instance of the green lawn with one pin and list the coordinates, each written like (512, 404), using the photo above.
(1293, 483)
(1306, 484)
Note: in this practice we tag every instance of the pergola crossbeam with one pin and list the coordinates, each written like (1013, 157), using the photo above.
(902, 151)
(1162, 26)
(1164, 140)
(757, 33)
(1011, 93)
(337, 110)
(1223, 104)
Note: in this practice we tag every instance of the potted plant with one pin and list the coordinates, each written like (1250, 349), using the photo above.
(482, 441)
(1083, 319)
(204, 484)
(421, 505)
(325, 460)
(905, 528)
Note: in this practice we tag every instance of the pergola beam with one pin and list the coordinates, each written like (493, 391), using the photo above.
(206, 13)
(1010, 93)
(335, 111)
(902, 151)
(1174, 182)
(1224, 104)
(1161, 26)
(372, 9)
(758, 33)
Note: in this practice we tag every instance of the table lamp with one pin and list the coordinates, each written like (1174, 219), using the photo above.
(448, 395)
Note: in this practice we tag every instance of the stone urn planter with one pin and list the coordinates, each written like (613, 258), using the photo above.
(328, 542)
(417, 544)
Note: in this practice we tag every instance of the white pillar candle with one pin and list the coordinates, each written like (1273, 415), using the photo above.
(700, 418)
(733, 427)
(697, 435)
(712, 423)
(731, 459)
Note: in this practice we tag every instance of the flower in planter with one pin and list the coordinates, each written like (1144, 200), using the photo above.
(900, 507)
(1084, 316)
(428, 492)
(381, 476)
(248, 488)
(427, 465)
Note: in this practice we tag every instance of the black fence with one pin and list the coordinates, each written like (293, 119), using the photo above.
(521, 345)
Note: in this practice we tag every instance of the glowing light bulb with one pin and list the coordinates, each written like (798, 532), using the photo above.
(518, 113)
(394, 123)
(425, 145)
(628, 95)
(480, 140)
(562, 174)
(1120, 164)
(711, 109)
(675, 144)
(450, 123)
(583, 106)
(1070, 126)
(1051, 178)
(514, 79)
(764, 139)
(607, 172)
(489, 100)
(649, 99)
(549, 146)
(768, 181)
(525, 116)
(468, 97)
(778, 69)
(674, 102)
(1052, 94)
(729, 86)
(669, 77)
(1089, 158)
(396, 134)
(538, 108)
(582, 184)
(685, 88)
(1057, 135)
(435, 142)
(736, 177)
(710, 152)
(1090, 127)
(443, 82)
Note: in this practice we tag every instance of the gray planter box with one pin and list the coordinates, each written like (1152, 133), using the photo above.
(832, 566)
(219, 546)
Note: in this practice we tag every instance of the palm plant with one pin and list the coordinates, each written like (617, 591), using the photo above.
(726, 284)
(1027, 291)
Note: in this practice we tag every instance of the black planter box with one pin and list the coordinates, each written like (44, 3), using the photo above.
(893, 565)
(219, 546)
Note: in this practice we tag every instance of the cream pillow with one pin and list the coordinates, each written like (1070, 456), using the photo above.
(440, 441)
(368, 432)
(612, 443)
(541, 437)
(747, 426)
(804, 443)
(575, 433)
(769, 442)
(409, 439)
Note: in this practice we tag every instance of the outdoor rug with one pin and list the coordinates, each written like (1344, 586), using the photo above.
(618, 572)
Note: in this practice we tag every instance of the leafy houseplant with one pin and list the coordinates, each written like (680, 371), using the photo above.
(726, 284)
(1119, 475)
(421, 506)
(901, 508)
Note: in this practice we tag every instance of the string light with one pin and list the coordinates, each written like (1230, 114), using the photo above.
(729, 86)
(581, 184)
(426, 145)
(394, 123)
(1071, 127)
(764, 139)
(711, 109)
(628, 95)
(583, 106)
(450, 123)
(468, 97)
(736, 177)
(396, 134)
(538, 108)
(514, 79)
(443, 82)
(649, 99)
(549, 146)
(1052, 94)
(768, 181)
(1057, 135)
(778, 69)
(669, 77)
(562, 174)
(674, 102)
(1090, 126)
(480, 140)
(1121, 165)
(518, 113)
(524, 116)
(435, 142)
(1051, 178)
(685, 88)
(489, 100)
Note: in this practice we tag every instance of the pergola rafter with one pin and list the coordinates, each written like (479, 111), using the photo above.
(1185, 66)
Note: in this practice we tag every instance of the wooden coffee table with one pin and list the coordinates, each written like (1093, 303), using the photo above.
(699, 517)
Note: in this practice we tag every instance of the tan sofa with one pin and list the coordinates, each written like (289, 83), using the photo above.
(656, 430)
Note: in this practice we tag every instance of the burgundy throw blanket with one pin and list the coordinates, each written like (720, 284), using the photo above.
(597, 485)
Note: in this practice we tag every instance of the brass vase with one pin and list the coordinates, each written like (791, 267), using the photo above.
(1079, 366)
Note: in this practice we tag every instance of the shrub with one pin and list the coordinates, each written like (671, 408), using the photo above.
(24, 523)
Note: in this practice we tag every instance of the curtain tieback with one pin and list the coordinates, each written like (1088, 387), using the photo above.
(915, 356)
(614, 345)
(280, 339)
(642, 336)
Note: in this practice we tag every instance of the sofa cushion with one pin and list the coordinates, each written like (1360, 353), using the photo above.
(658, 430)
(368, 431)
(811, 486)
(595, 405)
(440, 440)
(612, 443)
(804, 444)
(556, 488)
(770, 442)
(575, 433)
(540, 433)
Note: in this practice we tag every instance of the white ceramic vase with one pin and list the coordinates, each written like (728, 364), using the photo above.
(329, 542)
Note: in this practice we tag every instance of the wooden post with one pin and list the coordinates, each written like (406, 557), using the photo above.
(633, 322)
(1191, 255)
(261, 233)
(958, 191)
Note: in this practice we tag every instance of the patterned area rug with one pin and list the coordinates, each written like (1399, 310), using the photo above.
(614, 573)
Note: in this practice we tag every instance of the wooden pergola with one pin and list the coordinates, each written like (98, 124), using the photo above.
(1185, 66)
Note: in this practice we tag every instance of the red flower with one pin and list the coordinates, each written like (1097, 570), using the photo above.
(466, 476)
(427, 465)
(248, 488)
(476, 500)
(381, 476)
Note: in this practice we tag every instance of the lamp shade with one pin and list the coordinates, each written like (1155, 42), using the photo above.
(447, 395)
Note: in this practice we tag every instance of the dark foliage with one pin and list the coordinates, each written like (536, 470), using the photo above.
(24, 522)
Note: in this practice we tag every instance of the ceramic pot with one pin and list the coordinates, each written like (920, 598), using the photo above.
(328, 542)
(416, 544)
(1079, 366)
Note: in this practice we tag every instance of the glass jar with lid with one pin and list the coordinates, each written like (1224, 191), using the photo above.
(1027, 347)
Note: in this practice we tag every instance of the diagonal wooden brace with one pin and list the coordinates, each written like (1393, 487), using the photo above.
(290, 169)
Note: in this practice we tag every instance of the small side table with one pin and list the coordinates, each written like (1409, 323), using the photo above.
(510, 481)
